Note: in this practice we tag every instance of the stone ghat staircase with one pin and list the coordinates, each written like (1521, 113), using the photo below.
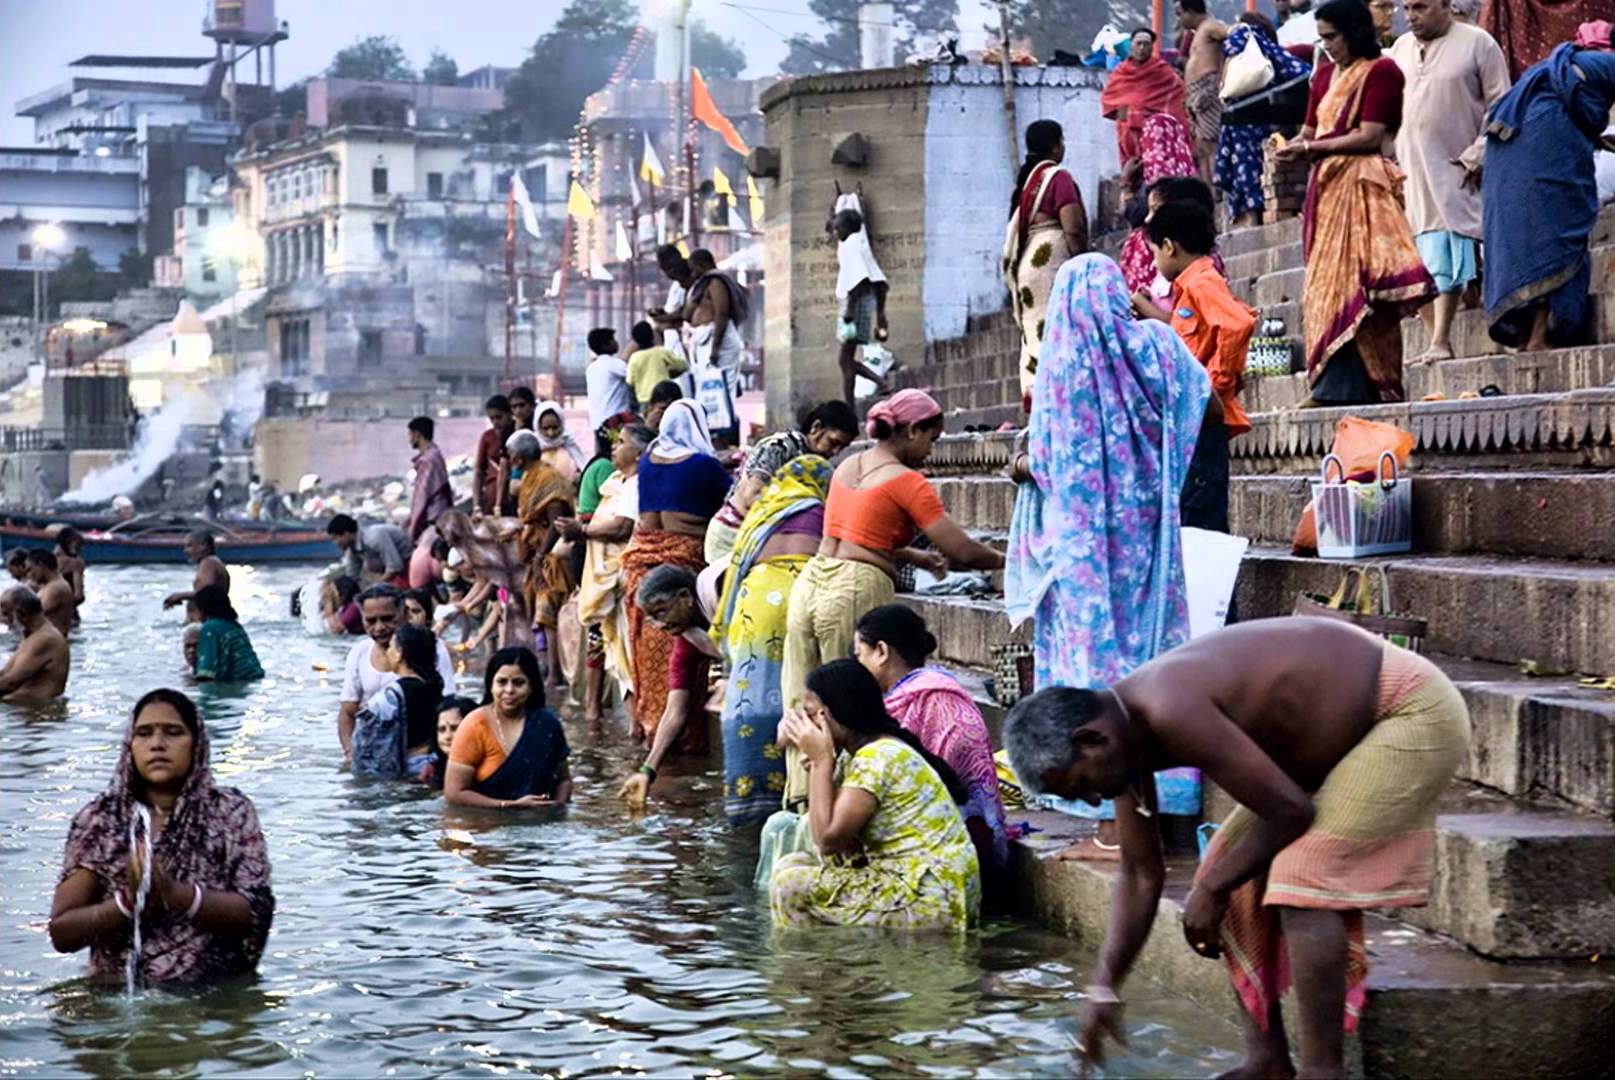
(1507, 972)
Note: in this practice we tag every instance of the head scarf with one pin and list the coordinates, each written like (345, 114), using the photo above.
(1593, 35)
(1151, 87)
(212, 839)
(797, 486)
(1116, 410)
(684, 432)
(564, 441)
(904, 407)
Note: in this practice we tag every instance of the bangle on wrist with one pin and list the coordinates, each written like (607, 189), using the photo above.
(196, 902)
(1101, 995)
(648, 771)
(123, 908)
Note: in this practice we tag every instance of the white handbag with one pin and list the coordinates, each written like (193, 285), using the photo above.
(1247, 72)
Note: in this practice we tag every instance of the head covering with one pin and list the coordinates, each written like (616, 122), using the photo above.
(212, 839)
(904, 407)
(1116, 410)
(684, 432)
(1143, 89)
(1593, 35)
(564, 441)
(799, 485)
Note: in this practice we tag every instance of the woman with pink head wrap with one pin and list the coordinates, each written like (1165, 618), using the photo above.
(878, 503)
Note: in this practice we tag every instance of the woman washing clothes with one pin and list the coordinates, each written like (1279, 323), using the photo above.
(892, 848)
(681, 486)
(209, 905)
(511, 753)
(488, 547)
(878, 503)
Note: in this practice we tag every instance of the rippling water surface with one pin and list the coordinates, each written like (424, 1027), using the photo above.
(411, 940)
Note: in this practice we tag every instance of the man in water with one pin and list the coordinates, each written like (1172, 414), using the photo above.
(201, 549)
(367, 669)
(17, 565)
(38, 669)
(1336, 746)
(377, 552)
(54, 593)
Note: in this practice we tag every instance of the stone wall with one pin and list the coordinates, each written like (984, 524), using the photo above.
(936, 187)
(286, 448)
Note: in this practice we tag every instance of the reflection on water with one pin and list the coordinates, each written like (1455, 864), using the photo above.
(429, 942)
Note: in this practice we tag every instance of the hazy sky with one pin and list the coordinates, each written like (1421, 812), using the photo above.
(38, 38)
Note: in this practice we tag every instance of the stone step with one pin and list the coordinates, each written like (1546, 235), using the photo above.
(991, 393)
(1512, 881)
(1551, 515)
(986, 416)
(992, 367)
(1236, 242)
(1434, 1009)
(1251, 265)
(1484, 607)
(1550, 372)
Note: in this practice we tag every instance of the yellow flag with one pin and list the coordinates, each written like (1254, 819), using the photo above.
(755, 200)
(684, 249)
(720, 183)
(578, 203)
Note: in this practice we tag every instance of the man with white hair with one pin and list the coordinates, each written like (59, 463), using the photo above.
(1454, 73)
(38, 669)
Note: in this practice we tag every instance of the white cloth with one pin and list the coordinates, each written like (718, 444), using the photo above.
(855, 259)
(1301, 29)
(730, 352)
(609, 394)
(361, 681)
(684, 432)
(565, 441)
(674, 338)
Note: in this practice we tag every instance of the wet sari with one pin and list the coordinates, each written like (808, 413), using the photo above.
(749, 624)
(1364, 273)
(600, 590)
(534, 765)
(1095, 558)
(543, 490)
(212, 839)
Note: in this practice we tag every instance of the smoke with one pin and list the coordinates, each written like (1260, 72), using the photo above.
(159, 437)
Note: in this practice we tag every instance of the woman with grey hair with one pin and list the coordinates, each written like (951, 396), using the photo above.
(1466, 10)
(543, 498)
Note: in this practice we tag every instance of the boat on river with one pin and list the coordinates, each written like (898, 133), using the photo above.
(161, 539)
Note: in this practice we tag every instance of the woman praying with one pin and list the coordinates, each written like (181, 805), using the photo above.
(209, 906)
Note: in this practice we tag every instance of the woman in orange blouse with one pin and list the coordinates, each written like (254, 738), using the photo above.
(512, 751)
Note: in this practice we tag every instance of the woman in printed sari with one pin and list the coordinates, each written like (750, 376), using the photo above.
(543, 498)
(601, 605)
(1541, 137)
(1364, 273)
(1166, 153)
(489, 547)
(1047, 225)
(893, 645)
(1239, 146)
(511, 753)
(780, 534)
(681, 485)
(1094, 556)
(209, 905)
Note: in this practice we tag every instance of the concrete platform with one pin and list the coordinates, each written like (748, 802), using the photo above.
(1434, 1009)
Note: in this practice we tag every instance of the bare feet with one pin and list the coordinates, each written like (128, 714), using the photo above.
(1263, 1068)
(1435, 354)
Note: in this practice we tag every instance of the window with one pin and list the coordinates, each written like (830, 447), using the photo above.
(538, 184)
(210, 268)
(201, 217)
(179, 220)
(434, 185)
(25, 253)
(369, 349)
(378, 181)
(294, 347)
(378, 233)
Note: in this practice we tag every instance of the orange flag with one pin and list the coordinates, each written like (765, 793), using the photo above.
(704, 109)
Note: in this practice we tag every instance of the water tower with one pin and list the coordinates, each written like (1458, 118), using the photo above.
(239, 29)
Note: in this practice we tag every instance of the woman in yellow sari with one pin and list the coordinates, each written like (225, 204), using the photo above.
(1364, 273)
(543, 498)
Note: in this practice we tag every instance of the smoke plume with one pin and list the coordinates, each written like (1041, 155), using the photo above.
(159, 437)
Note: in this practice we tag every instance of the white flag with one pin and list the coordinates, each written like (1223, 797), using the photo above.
(518, 188)
(598, 272)
(650, 166)
(625, 250)
(555, 284)
(634, 192)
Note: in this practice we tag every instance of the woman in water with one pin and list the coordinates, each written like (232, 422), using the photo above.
(893, 645)
(339, 605)
(451, 713)
(511, 752)
(224, 652)
(894, 849)
(209, 906)
(394, 730)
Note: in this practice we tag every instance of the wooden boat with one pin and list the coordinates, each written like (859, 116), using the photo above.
(163, 541)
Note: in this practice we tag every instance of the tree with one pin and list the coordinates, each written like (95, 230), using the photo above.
(718, 57)
(573, 60)
(293, 100)
(837, 50)
(440, 69)
(377, 57)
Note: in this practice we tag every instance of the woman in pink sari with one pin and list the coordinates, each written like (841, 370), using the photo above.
(892, 643)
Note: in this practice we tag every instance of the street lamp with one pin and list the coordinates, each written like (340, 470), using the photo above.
(46, 238)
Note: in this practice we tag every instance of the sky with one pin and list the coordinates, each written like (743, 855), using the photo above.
(38, 38)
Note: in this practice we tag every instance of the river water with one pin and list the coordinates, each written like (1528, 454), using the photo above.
(414, 941)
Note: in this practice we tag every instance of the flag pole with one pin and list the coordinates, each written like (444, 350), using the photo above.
(510, 277)
(560, 301)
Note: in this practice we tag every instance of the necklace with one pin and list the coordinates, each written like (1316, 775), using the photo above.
(1138, 799)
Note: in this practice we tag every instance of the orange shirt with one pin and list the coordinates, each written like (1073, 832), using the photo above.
(475, 744)
(1217, 328)
(884, 517)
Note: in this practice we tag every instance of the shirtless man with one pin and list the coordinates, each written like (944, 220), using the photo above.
(70, 560)
(201, 549)
(54, 593)
(1332, 741)
(1202, 78)
(38, 669)
(17, 565)
(711, 311)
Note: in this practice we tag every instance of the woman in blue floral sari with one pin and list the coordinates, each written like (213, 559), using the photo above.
(1239, 146)
(1094, 554)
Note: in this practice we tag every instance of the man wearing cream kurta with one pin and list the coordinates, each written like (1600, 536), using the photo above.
(1454, 73)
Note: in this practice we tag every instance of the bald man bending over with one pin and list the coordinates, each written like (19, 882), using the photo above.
(38, 669)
